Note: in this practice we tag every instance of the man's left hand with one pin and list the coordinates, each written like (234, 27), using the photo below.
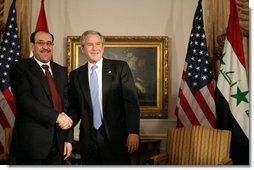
(132, 142)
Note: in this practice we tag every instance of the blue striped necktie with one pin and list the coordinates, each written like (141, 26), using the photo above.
(94, 88)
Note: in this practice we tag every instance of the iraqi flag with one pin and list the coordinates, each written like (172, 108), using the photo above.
(42, 23)
(232, 92)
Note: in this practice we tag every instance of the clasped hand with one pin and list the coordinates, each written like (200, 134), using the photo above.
(64, 121)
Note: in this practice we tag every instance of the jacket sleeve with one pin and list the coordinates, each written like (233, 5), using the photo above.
(131, 103)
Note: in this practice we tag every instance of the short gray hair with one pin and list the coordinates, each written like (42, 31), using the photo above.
(90, 32)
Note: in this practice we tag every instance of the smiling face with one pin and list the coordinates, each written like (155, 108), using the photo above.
(42, 46)
(92, 48)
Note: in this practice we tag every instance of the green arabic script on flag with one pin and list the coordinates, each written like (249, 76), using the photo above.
(232, 92)
(232, 82)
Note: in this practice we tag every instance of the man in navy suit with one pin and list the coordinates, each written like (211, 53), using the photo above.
(118, 135)
(39, 134)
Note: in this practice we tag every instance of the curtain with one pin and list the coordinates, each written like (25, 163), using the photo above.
(1, 19)
(216, 17)
(23, 21)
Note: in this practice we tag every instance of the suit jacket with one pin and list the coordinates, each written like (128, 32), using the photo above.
(35, 125)
(120, 105)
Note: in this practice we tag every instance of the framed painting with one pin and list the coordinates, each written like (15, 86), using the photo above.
(147, 57)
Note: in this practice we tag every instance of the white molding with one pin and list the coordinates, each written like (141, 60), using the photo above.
(153, 136)
(159, 120)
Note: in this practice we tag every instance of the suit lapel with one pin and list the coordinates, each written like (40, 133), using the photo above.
(56, 77)
(107, 73)
(106, 81)
(84, 84)
(35, 68)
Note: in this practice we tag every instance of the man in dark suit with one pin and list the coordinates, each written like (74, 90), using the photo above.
(39, 135)
(116, 135)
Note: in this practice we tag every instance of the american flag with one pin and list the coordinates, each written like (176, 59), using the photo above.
(9, 52)
(196, 105)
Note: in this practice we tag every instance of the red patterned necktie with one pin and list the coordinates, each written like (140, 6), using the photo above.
(52, 86)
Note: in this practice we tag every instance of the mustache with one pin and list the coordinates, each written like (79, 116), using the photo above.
(45, 50)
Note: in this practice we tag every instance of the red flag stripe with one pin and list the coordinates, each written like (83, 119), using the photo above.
(234, 33)
(189, 110)
(42, 19)
(204, 99)
(10, 99)
(2, 140)
(209, 97)
(195, 97)
(7, 115)
(4, 122)
(232, 92)
(195, 108)
(10, 53)
(178, 123)
(186, 113)
(42, 23)
(182, 118)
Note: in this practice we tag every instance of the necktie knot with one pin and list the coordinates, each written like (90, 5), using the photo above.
(46, 67)
(94, 67)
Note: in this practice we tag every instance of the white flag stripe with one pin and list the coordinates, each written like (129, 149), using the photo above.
(2, 135)
(194, 104)
(182, 116)
(209, 99)
(204, 91)
(233, 62)
(196, 75)
(242, 119)
(228, 84)
(7, 110)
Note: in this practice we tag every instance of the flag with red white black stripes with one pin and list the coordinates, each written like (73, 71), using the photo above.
(232, 91)
(42, 23)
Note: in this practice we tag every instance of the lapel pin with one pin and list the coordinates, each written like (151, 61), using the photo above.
(109, 71)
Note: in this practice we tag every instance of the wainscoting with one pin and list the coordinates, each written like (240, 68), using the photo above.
(156, 129)
(149, 129)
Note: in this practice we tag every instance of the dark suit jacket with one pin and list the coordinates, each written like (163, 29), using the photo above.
(35, 119)
(120, 105)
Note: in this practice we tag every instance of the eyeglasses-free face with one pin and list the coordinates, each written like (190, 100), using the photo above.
(93, 48)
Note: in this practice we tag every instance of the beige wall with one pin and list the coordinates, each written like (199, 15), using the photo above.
(172, 18)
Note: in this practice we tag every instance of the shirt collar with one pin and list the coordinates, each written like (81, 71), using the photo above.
(41, 63)
(99, 64)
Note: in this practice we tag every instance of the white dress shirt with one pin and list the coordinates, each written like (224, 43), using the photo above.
(41, 63)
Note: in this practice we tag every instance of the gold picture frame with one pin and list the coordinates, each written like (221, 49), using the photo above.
(147, 57)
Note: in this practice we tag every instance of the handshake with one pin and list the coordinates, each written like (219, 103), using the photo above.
(64, 121)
